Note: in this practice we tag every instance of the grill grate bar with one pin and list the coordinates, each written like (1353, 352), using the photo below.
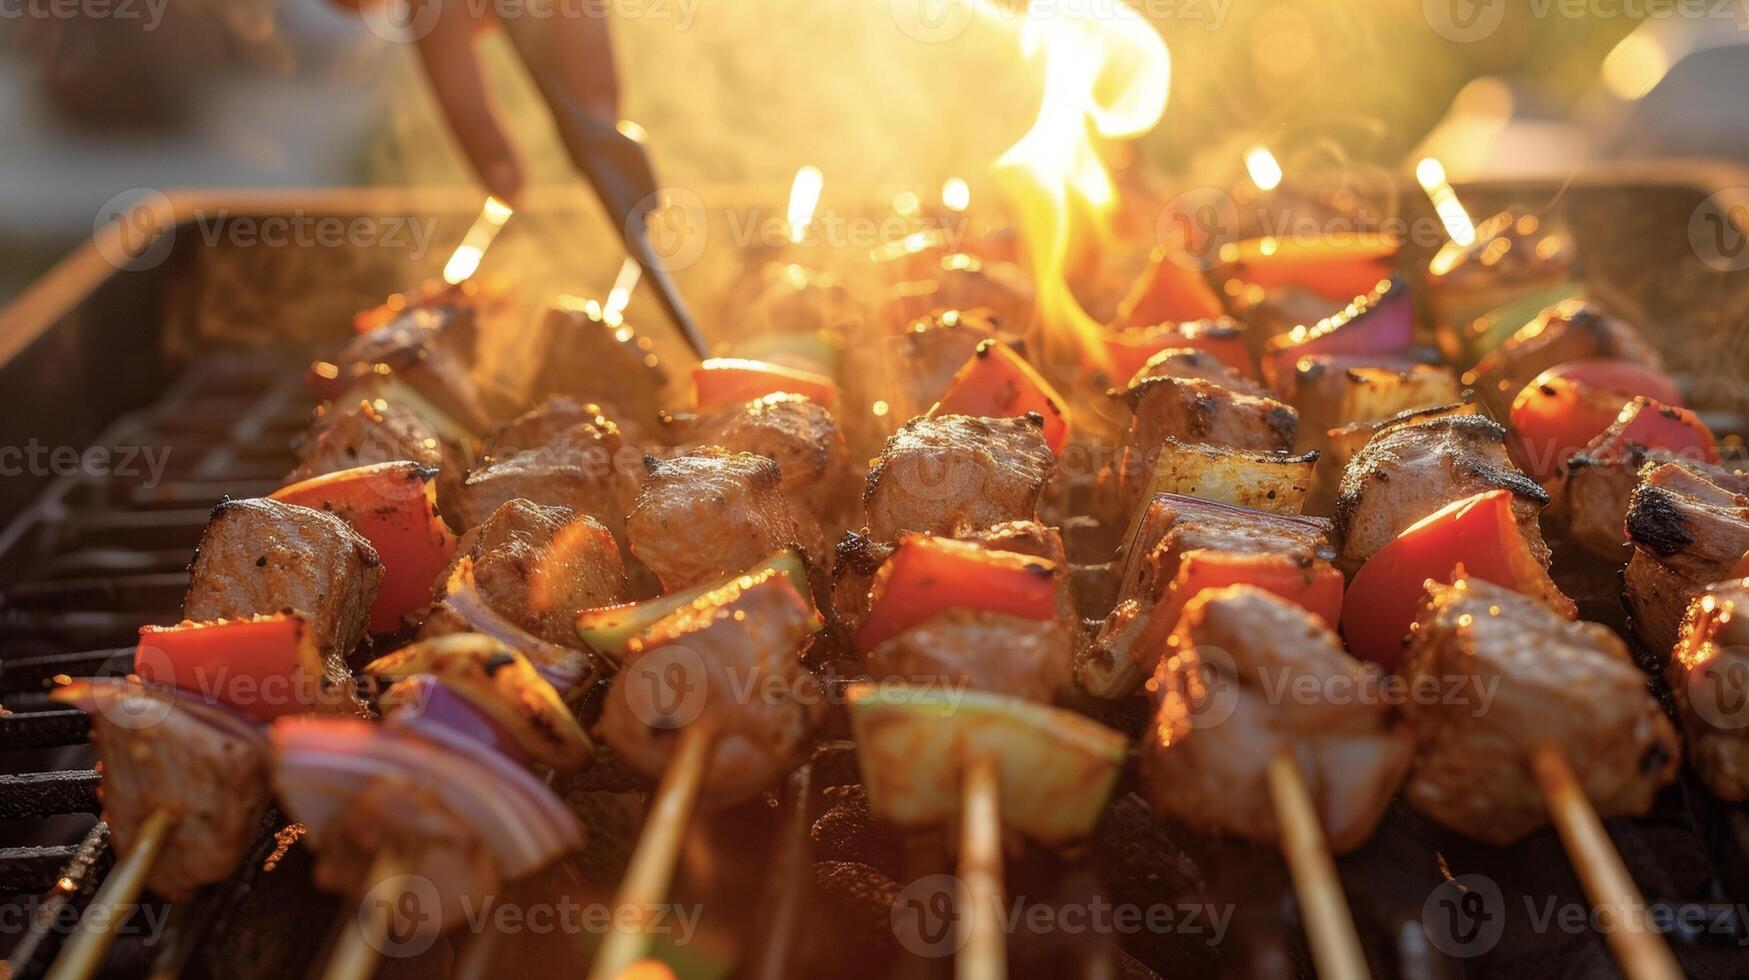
(75, 883)
(44, 794)
(34, 674)
(33, 869)
(43, 729)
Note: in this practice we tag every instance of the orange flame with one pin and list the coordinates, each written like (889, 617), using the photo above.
(1106, 74)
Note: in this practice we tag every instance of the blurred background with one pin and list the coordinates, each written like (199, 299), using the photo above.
(104, 96)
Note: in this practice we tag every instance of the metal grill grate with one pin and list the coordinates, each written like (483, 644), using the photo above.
(96, 556)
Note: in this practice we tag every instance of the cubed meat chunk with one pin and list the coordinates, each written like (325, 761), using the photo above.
(581, 356)
(803, 439)
(1252, 677)
(260, 557)
(1548, 681)
(1573, 330)
(1193, 364)
(956, 474)
(583, 468)
(1709, 677)
(549, 422)
(727, 661)
(1689, 526)
(709, 514)
(425, 349)
(985, 651)
(1407, 472)
(541, 566)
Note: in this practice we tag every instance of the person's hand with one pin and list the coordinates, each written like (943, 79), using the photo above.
(578, 35)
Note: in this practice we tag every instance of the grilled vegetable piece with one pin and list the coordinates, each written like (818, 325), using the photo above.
(458, 814)
(1515, 256)
(1221, 338)
(1272, 481)
(726, 660)
(541, 566)
(608, 629)
(1478, 536)
(394, 506)
(1573, 330)
(263, 666)
(955, 474)
(165, 750)
(588, 468)
(1170, 290)
(1216, 724)
(462, 608)
(1569, 684)
(1056, 768)
(1378, 321)
(724, 381)
(1570, 404)
(974, 647)
(709, 514)
(996, 382)
(1409, 471)
(501, 683)
(262, 556)
(1465, 342)
(927, 575)
(1688, 523)
(1336, 269)
(1709, 677)
(1331, 390)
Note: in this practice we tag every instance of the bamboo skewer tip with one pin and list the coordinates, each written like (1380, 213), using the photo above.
(1329, 923)
(984, 954)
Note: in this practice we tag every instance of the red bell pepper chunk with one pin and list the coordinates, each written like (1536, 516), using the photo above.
(1645, 424)
(394, 506)
(266, 666)
(1338, 270)
(723, 381)
(1570, 404)
(1130, 349)
(997, 383)
(926, 575)
(1479, 533)
(1170, 290)
(1316, 586)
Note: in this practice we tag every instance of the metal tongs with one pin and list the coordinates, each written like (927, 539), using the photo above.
(616, 166)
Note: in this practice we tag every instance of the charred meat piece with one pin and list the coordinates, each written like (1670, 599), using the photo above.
(906, 372)
(1709, 676)
(424, 349)
(1689, 525)
(955, 474)
(1569, 331)
(727, 660)
(856, 559)
(1592, 497)
(1407, 472)
(365, 431)
(548, 423)
(1251, 675)
(165, 750)
(1572, 685)
(1194, 411)
(803, 439)
(1173, 525)
(584, 468)
(540, 566)
(583, 357)
(708, 514)
(1192, 364)
(982, 650)
(261, 556)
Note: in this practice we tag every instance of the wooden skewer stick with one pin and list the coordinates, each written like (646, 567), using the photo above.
(361, 939)
(83, 955)
(651, 868)
(1329, 924)
(1641, 953)
(984, 954)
